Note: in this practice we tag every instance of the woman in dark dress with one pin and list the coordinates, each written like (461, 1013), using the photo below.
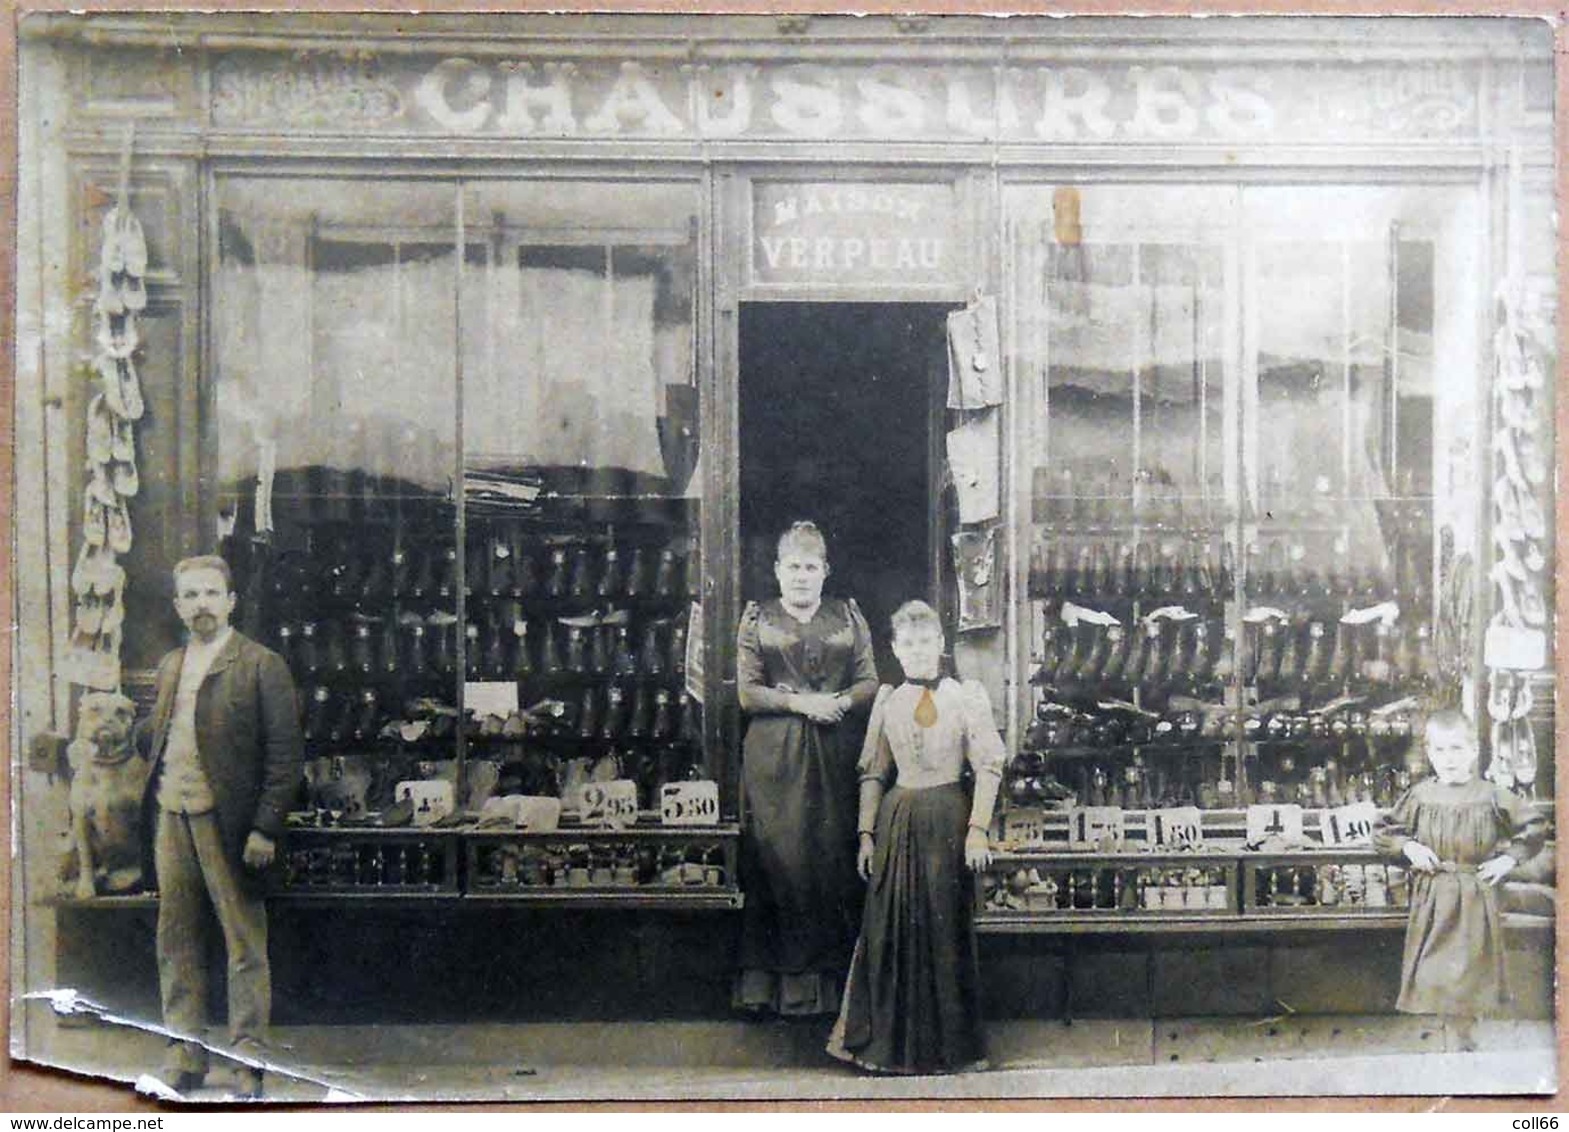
(805, 674)
(912, 1001)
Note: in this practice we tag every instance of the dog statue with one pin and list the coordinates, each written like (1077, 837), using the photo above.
(108, 779)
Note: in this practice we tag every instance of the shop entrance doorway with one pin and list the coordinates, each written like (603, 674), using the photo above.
(840, 423)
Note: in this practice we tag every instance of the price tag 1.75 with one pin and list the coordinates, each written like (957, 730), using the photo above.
(605, 803)
(1178, 827)
(1349, 825)
(1267, 821)
(689, 803)
(1023, 827)
(1088, 826)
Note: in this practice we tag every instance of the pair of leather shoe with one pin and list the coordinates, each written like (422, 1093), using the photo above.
(243, 1082)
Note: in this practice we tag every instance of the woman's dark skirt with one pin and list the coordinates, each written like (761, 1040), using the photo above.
(912, 998)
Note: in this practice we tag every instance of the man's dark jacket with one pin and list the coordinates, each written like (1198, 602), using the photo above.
(247, 737)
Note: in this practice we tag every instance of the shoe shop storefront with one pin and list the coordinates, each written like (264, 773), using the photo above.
(1199, 374)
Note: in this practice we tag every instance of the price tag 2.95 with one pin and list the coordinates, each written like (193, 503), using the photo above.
(1349, 825)
(689, 803)
(1283, 822)
(1179, 827)
(1088, 826)
(605, 803)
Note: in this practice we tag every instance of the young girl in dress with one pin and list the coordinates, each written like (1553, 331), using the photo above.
(912, 997)
(1460, 836)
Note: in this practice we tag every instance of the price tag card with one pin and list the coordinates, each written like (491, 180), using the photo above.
(1180, 827)
(1265, 822)
(1024, 827)
(604, 803)
(1088, 826)
(689, 803)
(432, 798)
(1349, 825)
(490, 697)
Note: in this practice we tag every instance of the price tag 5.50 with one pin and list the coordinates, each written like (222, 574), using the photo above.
(689, 803)
(1178, 827)
(605, 803)
(1349, 825)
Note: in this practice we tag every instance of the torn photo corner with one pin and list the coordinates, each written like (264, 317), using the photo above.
(1038, 523)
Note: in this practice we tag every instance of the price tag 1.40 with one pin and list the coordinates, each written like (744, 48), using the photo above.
(689, 803)
(1349, 825)
(1178, 827)
(1088, 826)
(605, 803)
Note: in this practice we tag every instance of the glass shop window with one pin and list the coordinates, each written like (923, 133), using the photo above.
(1238, 406)
(456, 446)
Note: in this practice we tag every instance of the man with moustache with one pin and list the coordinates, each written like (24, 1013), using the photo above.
(226, 749)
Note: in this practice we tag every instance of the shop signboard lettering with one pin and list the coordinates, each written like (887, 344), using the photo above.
(1041, 102)
(837, 232)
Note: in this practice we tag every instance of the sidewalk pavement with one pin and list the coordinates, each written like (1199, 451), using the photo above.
(1295, 1055)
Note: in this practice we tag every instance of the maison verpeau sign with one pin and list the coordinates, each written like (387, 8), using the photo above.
(887, 233)
(922, 101)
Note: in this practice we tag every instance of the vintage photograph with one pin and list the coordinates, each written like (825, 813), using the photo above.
(672, 557)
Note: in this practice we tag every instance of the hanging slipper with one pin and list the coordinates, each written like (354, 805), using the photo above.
(84, 574)
(110, 300)
(131, 390)
(124, 478)
(1509, 557)
(109, 385)
(1518, 410)
(90, 616)
(96, 572)
(118, 521)
(1508, 605)
(1524, 699)
(95, 523)
(1501, 694)
(1504, 445)
(122, 439)
(1524, 750)
(1500, 767)
(117, 335)
(1533, 459)
(113, 614)
(1511, 524)
(100, 431)
(113, 253)
(132, 244)
(1533, 559)
(133, 293)
(100, 488)
(1532, 608)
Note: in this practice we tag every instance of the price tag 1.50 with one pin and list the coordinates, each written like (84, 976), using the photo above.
(689, 803)
(1266, 822)
(1349, 825)
(605, 803)
(1179, 827)
(1088, 826)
